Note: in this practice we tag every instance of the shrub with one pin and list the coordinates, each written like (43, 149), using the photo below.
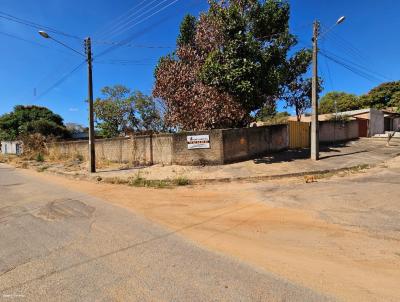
(39, 157)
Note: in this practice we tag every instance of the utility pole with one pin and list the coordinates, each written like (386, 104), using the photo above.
(314, 116)
(92, 152)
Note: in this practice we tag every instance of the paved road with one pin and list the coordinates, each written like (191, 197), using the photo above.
(60, 245)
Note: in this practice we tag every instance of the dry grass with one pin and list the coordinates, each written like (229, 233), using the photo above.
(140, 181)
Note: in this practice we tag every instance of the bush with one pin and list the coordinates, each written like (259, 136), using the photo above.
(39, 157)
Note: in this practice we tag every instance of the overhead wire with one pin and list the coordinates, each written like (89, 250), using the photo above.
(361, 67)
(353, 69)
(129, 18)
(61, 80)
(65, 77)
(127, 40)
(132, 45)
(23, 39)
(125, 27)
(328, 71)
(35, 25)
(110, 25)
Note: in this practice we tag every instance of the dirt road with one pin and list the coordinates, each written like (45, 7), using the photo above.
(338, 236)
(59, 244)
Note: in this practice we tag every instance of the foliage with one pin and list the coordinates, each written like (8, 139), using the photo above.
(266, 112)
(76, 128)
(382, 96)
(187, 31)
(339, 118)
(344, 102)
(121, 111)
(279, 118)
(298, 94)
(39, 157)
(228, 64)
(25, 120)
(34, 144)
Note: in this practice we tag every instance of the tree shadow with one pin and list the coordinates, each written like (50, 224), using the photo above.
(296, 154)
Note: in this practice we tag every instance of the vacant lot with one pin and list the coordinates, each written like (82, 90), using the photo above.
(339, 235)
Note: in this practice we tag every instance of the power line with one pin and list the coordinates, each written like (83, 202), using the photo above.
(127, 18)
(116, 21)
(23, 39)
(125, 27)
(60, 81)
(32, 24)
(347, 47)
(114, 47)
(357, 65)
(120, 43)
(329, 72)
(359, 72)
(65, 77)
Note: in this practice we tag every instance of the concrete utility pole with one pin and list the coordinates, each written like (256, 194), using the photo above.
(314, 116)
(89, 60)
(92, 138)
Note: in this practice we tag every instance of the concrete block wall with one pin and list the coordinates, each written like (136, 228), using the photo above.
(227, 145)
(212, 156)
(246, 143)
(330, 131)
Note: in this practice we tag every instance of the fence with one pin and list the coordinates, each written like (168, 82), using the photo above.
(299, 135)
(329, 132)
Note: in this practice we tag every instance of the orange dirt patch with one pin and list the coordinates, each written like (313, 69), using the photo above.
(348, 264)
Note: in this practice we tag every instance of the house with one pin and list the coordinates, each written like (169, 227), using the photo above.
(11, 147)
(370, 121)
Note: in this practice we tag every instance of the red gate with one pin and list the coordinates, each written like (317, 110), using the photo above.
(362, 127)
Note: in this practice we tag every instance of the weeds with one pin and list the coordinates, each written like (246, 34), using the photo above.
(42, 169)
(39, 157)
(139, 181)
(115, 180)
(181, 181)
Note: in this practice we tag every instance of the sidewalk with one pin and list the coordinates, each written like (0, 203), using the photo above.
(289, 163)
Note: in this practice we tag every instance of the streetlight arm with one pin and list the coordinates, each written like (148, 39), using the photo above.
(47, 36)
(339, 21)
(70, 48)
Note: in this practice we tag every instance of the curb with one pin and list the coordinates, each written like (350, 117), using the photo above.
(279, 176)
(239, 179)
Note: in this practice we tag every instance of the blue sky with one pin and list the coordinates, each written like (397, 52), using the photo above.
(367, 38)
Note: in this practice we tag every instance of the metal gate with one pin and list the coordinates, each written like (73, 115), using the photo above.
(299, 135)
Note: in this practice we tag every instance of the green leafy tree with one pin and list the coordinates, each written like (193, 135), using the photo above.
(382, 96)
(187, 31)
(149, 115)
(266, 112)
(298, 94)
(228, 64)
(344, 102)
(26, 120)
(120, 111)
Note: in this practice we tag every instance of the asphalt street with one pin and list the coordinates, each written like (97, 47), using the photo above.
(60, 245)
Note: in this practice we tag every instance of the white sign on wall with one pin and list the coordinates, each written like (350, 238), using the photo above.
(198, 142)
